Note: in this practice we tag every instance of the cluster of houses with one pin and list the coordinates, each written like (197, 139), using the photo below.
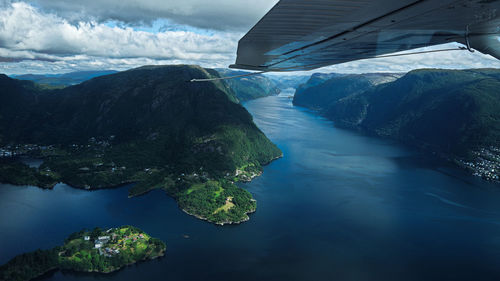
(196, 176)
(21, 149)
(6, 153)
(102, 143)
(102, 241)
(15, 150)
(108, 252)
(134, 238)
(486, 163)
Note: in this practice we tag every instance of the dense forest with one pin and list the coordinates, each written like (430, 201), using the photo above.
(446, 111)
(149, 126)
(249, 87)
(454, 114)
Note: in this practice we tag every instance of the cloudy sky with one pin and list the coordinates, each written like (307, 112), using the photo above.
(58, 36)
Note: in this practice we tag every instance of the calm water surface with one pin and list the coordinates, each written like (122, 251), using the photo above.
(338, 206)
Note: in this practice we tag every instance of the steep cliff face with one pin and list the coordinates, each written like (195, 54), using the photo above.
(323, 90)
(449, 111)
(320, 96)
(444, 110)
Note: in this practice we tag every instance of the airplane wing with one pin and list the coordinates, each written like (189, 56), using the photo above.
(307, 34)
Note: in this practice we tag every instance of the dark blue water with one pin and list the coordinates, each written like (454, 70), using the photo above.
(338, 206)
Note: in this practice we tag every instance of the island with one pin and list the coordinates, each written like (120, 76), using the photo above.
(101, 251)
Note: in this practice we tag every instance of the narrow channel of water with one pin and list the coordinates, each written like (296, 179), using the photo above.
(337, 206)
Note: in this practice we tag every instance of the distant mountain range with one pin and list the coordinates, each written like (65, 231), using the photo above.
(244, 89)
(249, 87)
(63, 80)
(148, 125)
(450, 112)
(286, 81)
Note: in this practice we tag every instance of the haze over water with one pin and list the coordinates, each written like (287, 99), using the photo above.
(337, 206)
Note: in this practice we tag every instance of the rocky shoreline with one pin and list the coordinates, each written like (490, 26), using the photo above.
(225, 222)
(161, 254)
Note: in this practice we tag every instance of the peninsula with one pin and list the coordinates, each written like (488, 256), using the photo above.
(149, 126)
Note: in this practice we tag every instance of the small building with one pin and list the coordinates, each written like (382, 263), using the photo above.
(86, 238)
(103, 239)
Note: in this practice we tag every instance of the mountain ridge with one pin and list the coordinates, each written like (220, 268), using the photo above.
(451, 113)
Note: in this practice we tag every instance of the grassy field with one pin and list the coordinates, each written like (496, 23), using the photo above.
(228, 205)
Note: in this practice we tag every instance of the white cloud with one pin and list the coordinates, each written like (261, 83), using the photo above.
(461, 59)
(27, 33)
(22, 28)
(237, 15)
(78, 63)
(43, 36)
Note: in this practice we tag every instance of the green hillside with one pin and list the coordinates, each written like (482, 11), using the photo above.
(249, 87)
(286, 81)
(318, 94)
(148, 125)
(323, 90)
(443, 110)
(453, 113)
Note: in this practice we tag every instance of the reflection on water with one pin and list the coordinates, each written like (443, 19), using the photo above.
(337, 206)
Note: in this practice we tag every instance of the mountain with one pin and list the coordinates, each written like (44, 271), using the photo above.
(317, 94)
(454, 113)
(63, 80)
(148, 125)
(249, 87)
(129, 105)
(321, 90)
(286, 81)
(319, 78)
(450, 111)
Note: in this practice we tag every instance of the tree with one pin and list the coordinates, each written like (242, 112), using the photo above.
(95, 233)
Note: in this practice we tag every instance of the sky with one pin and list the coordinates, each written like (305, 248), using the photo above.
(59, 36)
